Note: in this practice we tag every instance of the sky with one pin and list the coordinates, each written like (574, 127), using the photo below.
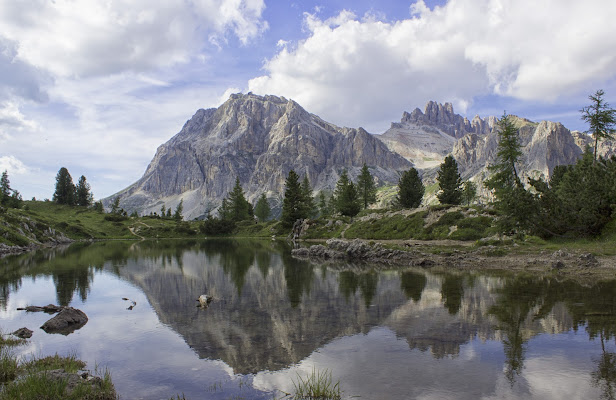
(96, 87)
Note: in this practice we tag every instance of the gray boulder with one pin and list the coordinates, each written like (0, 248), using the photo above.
(66, 321)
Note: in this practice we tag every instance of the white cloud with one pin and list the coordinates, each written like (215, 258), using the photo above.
(12, 165)
(85, 38)
(11, 117)
(360, 72)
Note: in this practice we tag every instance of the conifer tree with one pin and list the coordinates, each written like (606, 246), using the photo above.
(83, 194)
(8, 197)
(162, 211)
(115, 206)
(449, 182)
(345, 195)
(365, 187)
(177, 215)
(309, 206)
(410, 189)
(324, 209)
(511, 198)
(65, 189)
(293, 202)
(224, 211)
(5, 188)
(600, 117)
(262, 208)
(469, 192)
(240, 209)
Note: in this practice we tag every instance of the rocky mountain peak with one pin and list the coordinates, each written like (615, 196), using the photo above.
(258, 139)
(443, 117)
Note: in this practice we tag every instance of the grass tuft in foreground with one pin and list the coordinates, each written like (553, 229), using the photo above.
(50, 378)
(317, 386)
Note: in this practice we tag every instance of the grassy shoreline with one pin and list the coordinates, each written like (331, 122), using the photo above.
(437, 230)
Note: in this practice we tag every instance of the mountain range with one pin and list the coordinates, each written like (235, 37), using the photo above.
(259, 139)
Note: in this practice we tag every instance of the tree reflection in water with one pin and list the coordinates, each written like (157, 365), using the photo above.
(413, 284)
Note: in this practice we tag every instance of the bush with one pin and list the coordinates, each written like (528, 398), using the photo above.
(215, 226)
(185, 228)
(115, 217)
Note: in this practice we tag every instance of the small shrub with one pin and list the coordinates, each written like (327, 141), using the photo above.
(465, 234)
(115, 217)
(214, 226)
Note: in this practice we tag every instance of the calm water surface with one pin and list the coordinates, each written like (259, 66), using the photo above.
(399, 334)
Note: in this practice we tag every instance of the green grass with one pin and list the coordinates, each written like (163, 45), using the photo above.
(318, 385)
(327, 227)
(397, 226)
(28, 380)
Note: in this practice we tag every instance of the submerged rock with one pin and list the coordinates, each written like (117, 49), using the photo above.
(67, 321)
(49, 308)
(23, 333)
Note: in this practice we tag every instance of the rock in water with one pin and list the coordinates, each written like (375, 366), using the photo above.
(23, 333)
(67, 321)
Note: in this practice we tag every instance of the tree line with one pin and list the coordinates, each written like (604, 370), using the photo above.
(577, 200)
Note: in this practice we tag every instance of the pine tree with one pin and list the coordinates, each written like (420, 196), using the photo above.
(177, 215)
(240, 209)
(469, 192)
(365, 187)
(65, 189)
(262, 208)
(309, 206)
(324, 209)
(514, 203)
(83, 194)
(115, 206)
(293, 202)
(5, 188)
(346, 197)
(162, 211)
(601, 117)
(410, 189)
(449, 182)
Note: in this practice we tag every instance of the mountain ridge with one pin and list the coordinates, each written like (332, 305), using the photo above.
(259, 139)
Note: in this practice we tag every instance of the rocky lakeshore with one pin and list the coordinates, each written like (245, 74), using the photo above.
(559, 262)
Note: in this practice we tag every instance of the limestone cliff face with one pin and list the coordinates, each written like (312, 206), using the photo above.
(544, 146)
(258, 139)
(425, 138)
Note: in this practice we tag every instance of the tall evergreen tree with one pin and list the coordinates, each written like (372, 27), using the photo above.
(239, 208)
(366, 188)
(469, 192)
(600, 117)
(511, 199)
(410, 189)
(262, 208)
(293, 202)
(224, 211)
(324, 209)
(177, 215)
(449, 182)
(5, 188)
(309, 205)
(8, 197)
(83, 194)
(115, 206)
(346, 197)
(65, 188)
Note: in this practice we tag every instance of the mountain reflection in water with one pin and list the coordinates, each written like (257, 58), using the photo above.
(403, 333)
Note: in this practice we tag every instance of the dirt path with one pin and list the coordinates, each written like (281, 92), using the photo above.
(132, 231)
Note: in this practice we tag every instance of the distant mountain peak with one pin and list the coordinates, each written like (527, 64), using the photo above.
(258, 139)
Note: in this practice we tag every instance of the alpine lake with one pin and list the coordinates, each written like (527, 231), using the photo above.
(383, 333)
